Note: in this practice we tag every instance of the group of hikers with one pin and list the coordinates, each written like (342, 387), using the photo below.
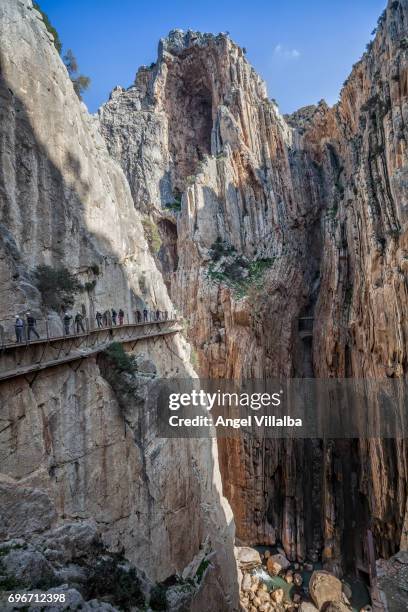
(151, 315)
(30, 324)
(20, 324)
(109, 318)
(26, 329)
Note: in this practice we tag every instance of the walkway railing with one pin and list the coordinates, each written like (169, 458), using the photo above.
(55, 327)
(33, 355)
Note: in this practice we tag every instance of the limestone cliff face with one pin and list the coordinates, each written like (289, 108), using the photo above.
(70, 443)
(266, 219)
(68, 450)
(199, 123)
(360, 315)
(63, 200)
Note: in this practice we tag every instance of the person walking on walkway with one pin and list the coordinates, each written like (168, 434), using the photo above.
(79, 323)
(19, 326)
(67, 323)
(166, 315)
(157, 315)
(139, 316)
(98, 318)
(145, 314)
(107, 319)
(121, 316)
(114, 315)
(31, 323)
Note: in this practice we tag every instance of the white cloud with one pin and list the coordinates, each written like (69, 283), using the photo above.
(281, 51)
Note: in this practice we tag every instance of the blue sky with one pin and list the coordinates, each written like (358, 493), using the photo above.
(304, 49)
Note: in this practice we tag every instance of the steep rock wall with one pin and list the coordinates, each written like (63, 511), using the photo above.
(66, 448)
(253, 198)
(360, 315)
(63, 200)
(68, 441)
(316, 201)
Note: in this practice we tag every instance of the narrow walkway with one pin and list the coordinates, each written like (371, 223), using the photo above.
(25, 358)
(305, 327)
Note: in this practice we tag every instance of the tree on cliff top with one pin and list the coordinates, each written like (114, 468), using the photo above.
(50, 27)
(80, 81)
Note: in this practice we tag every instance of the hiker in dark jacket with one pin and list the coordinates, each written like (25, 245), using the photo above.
(157, 315)
(67, 322)
(121, 316)
(19, 327)
(79, 323)
(114, 315)
(145, 314)
(98, 318)
(31, 323)
(106, 318)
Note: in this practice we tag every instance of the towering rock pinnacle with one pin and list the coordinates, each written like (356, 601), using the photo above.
(199, 123)
(266, 220)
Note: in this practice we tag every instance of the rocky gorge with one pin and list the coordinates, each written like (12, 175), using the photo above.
(281, 240)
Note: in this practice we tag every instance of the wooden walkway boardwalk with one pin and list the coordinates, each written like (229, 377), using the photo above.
(34, 356)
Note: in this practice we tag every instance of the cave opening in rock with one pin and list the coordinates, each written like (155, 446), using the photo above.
(189, 109)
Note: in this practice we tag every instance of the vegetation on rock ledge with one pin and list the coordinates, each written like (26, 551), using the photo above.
(121, 360)
(152, 234)
(235, 270)
(50, 27)
(58, 286)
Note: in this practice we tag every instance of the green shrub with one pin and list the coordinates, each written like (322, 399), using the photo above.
(348, 297)
(176, 206)
(57, 286)
(121, 360)
(404, 43)
(194, 358)
(142, 284)
(201, 569)
(158, 600)
(50, 27)
(9, 583)
(109, 579)
(220, 248)
(332, 211)
(152, 234)
(80, 82)
(6, 549)
(240, 274)
(382, 18)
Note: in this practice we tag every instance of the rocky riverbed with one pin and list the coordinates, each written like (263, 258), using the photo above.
(270, 582)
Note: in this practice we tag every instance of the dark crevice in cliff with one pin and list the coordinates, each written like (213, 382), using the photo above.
(188, 101)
